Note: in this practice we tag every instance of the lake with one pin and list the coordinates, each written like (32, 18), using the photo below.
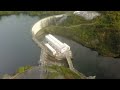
(16, 45)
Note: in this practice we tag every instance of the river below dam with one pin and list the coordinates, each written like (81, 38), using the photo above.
(18, 49)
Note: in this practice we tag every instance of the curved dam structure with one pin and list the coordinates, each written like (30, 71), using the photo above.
(51, 20)
(37, 29)
(56, 19)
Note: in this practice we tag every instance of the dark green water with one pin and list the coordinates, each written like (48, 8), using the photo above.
(16, 46)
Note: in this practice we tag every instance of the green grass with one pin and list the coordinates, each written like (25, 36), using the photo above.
(6, 13)
(20, 70)
(56, 71)
(23, 69)
(32, 13)
(74, 20)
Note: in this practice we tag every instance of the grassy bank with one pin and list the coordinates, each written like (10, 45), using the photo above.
(60, 71)
(6, 13)
(50, 72)
(19, 71)
(31, 13)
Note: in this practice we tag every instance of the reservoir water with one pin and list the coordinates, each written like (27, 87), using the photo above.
(16, 46)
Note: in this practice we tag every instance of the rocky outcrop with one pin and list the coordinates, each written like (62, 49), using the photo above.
(88, 15)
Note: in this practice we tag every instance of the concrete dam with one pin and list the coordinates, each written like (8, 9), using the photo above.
(57, 56)
(53, 51)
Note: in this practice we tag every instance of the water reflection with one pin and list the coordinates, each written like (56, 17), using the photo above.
(16, 45)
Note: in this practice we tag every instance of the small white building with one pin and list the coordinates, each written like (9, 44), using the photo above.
(56, 47)
(50, 48)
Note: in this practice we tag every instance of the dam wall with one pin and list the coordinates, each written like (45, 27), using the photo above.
(51, 20)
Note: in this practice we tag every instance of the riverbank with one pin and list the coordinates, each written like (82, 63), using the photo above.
(47, 72)
(32, 13)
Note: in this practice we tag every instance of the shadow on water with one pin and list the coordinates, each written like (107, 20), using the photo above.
(90, 63)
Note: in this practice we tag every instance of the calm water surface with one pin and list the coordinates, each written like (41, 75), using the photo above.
(16, 45)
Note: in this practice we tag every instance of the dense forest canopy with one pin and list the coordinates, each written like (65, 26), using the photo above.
(109, 22)
(110, 19)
